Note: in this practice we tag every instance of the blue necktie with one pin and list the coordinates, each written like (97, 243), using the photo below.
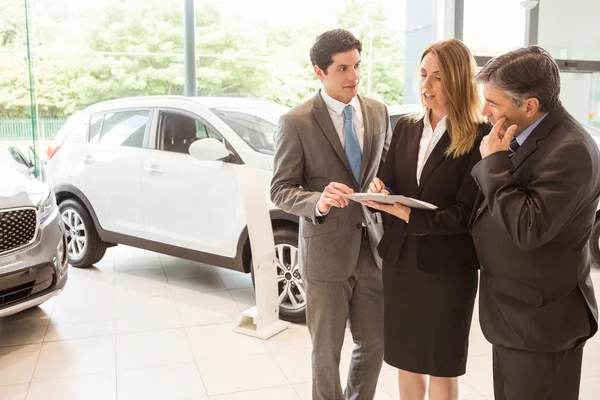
(351, 145)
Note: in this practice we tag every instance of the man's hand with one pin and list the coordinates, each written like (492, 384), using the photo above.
(332, 197)
(377, 186)
(497, 140)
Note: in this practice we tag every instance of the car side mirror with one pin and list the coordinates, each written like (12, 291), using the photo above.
(208, 149)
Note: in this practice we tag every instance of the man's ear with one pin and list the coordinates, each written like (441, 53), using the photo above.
(532, 106)
(319, 72)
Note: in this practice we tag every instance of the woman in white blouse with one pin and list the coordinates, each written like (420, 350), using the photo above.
(429, 260)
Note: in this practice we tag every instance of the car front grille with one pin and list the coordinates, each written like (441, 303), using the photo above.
(18, 228)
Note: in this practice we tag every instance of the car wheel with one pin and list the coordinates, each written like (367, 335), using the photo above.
(292, 295)
(595, 241)
(83, 243)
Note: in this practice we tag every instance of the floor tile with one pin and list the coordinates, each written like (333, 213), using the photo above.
(87, 306)
(237, 281)
(244, 298)
(15, 392)
(590, 388)
(220, 342)
(295, 364)
(250, 372)
(172, 382)
(14, 333)
(467, 392)
(146, 281)
(304, 390)
(139, 313)
(196, 285)
(88, 387)
(479, 374)
(183, 269)
(76, 330)
(153, 349)
(207, 308)
(274, 393)
(17, 367)
(75, 357)
(295, 337)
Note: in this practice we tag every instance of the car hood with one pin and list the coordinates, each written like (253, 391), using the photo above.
(18, 190)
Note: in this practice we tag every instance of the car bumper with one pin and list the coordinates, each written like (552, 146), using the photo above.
(36, 273)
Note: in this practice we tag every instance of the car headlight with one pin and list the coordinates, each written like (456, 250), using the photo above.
(47, 207)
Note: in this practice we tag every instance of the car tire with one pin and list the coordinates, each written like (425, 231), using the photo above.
(83, 243)
(292, 306)
(595, 241)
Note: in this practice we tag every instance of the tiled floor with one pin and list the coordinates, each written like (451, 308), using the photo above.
(143, 326)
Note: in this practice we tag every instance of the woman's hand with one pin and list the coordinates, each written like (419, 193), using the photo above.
(396, 209)
(377, 186)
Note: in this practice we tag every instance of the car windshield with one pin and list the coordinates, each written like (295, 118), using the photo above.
(256, 125)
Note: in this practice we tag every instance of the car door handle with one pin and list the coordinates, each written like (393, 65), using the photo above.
(154, 170)
(88, 159)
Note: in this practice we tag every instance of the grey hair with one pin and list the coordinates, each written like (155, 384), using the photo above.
(528, 72)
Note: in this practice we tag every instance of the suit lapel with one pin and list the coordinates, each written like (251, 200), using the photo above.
(368, 124)
(324, 120)
(411, 154)
(434, 159)
(539, 133)
(529, 147)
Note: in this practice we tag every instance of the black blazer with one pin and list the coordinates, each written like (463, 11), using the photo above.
(441, 237)
(531, 229)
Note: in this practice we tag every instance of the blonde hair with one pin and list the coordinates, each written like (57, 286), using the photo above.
(457, 69)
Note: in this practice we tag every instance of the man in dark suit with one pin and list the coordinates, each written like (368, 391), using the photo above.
(335, 144)
(540, 183)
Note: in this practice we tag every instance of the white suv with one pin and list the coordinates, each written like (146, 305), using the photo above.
(122, 174)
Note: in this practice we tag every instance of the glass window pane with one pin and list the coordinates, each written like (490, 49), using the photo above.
(493, 27)
(569, 29)
(256, 126)
(124, 128)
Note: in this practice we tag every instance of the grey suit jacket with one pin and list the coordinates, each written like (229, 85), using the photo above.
(531, 232)
(309, 155)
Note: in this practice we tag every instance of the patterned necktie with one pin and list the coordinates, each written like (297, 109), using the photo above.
(351, 145)
(513, 147)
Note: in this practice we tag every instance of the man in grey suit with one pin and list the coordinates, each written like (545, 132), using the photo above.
(540, 184)
(331, 145)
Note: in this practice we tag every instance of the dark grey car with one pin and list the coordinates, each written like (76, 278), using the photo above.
(33, 256)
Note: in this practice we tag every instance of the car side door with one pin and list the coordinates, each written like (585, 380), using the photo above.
(109, 172)
(187, 203)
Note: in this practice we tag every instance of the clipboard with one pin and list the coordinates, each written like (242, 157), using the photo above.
(391, 199)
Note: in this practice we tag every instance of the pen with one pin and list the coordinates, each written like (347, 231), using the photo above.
(389, 189)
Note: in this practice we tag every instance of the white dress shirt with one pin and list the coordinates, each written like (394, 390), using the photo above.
(429, 140)
(336, 112)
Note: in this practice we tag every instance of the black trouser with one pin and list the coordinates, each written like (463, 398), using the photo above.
(526, 375)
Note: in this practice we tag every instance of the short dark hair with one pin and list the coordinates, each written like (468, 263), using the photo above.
(330, 43)
(525, 73)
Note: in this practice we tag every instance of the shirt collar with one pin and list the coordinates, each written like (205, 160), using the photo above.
(427, 122)
(525, 134)
(336, 105)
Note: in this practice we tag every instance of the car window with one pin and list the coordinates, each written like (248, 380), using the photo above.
(177, 132)
(73, 130)
(95, 128)
(124, 128)
(257, 126)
